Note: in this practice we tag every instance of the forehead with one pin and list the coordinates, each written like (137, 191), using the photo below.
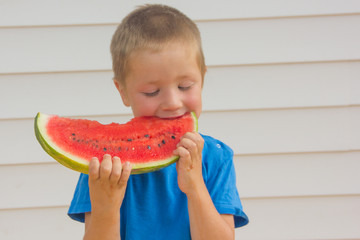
(174, 61)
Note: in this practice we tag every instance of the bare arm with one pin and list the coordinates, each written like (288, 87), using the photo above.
(107, 185)
(205, 221)
(105, 226)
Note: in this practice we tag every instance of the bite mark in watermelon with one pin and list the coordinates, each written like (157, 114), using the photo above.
(146, 142)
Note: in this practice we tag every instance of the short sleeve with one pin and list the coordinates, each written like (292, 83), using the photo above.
(220, 179)
(80, 203)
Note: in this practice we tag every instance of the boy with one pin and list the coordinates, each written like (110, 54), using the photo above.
(159, 70)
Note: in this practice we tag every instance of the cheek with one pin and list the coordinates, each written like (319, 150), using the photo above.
(143, 107)
(194, 100)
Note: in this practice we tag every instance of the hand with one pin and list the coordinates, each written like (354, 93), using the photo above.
(189, 166)
(107, 183)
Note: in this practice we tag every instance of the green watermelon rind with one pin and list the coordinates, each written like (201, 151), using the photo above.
(81, 165)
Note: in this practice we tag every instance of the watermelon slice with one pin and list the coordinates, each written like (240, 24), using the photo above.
(146, 142)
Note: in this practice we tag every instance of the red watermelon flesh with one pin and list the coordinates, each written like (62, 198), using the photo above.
(146, 142)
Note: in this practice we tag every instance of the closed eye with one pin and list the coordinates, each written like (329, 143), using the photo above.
(184, 88)
(151, 94)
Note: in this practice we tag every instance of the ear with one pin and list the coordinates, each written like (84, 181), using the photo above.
(203, 77)
(121, 88)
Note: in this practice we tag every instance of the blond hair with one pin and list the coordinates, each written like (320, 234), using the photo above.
(152, 27)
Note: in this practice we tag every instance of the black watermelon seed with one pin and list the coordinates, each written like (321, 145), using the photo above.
(147, 135)
(163, 141)
(173, 137)
(104, 149)
(129, 140)
(78, 140)
(159, 145)
(74, 139)
(148, 147)
(73, 134)
(119, 148)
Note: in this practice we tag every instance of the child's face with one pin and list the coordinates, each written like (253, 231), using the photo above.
(165, 83)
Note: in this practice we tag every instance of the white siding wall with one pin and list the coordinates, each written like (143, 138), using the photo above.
(282, 90)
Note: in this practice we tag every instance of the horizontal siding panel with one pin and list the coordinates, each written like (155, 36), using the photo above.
(66, 94)
(316, 174)
(40, 224)
(247, 132)
(282, 40)
(278, 218)
(110, 11)
(36, 185)
(243, 87)
(55, 49)
(302, 218)
(73, 48)
(282, 86)
(311, 174)
(288, 130)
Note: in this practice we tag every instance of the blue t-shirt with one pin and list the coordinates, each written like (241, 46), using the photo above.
(155, 208)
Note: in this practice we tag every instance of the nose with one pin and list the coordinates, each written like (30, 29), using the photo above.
(172, 101)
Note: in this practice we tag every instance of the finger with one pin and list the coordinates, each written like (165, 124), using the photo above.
(185, 158)
(188, 144)
(126, 170)
(105, 167)
(94, 168)
(116, 170)
(191, 148)
(194, 143)
(196, 138)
